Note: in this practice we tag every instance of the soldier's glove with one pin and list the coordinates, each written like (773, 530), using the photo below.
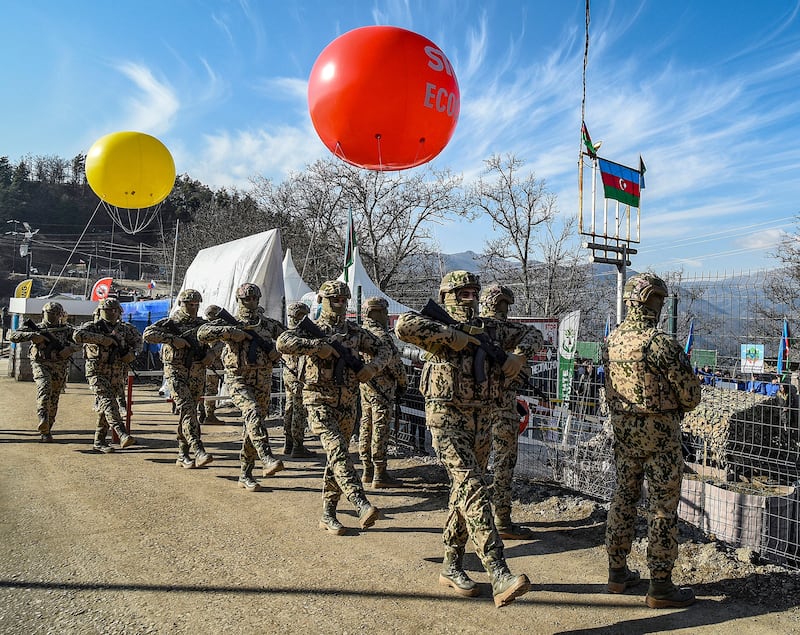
(274, 355)
(460, 340)
(128, 357)
(366, 373)
(237, 335)
(179, 343)
(324, 350)
(513, 365)
(38, 339)
(107, 341)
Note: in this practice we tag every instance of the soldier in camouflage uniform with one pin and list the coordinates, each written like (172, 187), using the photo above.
(109, 347)
(185, 362)
(377, 408)
(521, 341)
(51, 348)
(330, 394)
(649, 386)
(294, 413)
(457, 413)
(249, 377)
(207, 410)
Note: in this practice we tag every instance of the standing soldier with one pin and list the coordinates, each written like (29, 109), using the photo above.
(520, 340)
(330, 391)
(456, 411)
(109, 347)
(248, 357)
(649, 386)
(185, 361)
(51, 348)
(377, 403)
(294, 413)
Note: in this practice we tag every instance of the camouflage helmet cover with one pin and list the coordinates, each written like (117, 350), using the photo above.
(53, 307)
(333, 289)
(109, 303)
(248, 290)
(374, 303)
(641, 287)
(494, 293)
(296, 309)
(212, 311)
(190, 295)
(455, 280)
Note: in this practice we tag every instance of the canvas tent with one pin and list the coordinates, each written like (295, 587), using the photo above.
(216, 272)
(294, 287)
(362, 287)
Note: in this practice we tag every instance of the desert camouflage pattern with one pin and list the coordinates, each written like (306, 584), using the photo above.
(646, 370)
(377, 409)
(184, 370)
(107, 370)
(331, 406)
(457, 411)
(249, 384)
(520, 339)
(294, 412)
(49, 368)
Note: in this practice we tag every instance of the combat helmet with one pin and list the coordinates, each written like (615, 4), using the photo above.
(371, 304)
(333, 289)
(189, 295)
(53, 307)
(644, 286)
(455, 280)
(493, 294)
(109, 303)
(248, 290)
(297, 309)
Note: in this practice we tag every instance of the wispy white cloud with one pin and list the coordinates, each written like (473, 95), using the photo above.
(155, 107)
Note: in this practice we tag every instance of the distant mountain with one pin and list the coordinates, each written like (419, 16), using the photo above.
(465, 260)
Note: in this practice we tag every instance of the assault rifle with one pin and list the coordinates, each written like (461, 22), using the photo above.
(196, 349)
(118, 349)
(487, 348)
(344, 356)
(53, 346)
(256, 341)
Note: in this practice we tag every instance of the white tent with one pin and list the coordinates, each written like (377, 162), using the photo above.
(361, 285)
(217, 271)
(294, 287)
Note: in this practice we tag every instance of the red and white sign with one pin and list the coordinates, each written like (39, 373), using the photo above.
(101, 289)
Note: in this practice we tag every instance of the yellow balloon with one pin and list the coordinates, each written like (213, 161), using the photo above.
(130, 169)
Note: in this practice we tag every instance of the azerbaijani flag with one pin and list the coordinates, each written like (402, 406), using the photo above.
(349, 246)
(783, 348)
(591, 149)
(620, 182)
(689, 340)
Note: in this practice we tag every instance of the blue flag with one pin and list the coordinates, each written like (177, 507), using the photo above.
(689, 340)
(783, 348)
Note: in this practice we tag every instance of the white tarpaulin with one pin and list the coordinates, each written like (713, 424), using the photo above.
(360, 282)
(217, 271)
(294, 287)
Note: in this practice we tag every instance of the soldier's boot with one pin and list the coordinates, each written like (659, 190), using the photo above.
(621, 579)
(506, 587)
(368, 473)
(288, 443)
(201, 457)
(300, 451)
(512, 531)
(184, 461)
(663, 594)
(101, 445)
(381, 478)
(202, 415)
(453, 574)
(125, 440)
(328, 522)
(367, 513)
(271, 464)
(246, 480)
(44, 425)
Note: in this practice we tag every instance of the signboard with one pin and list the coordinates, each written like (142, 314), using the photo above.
(752, 358)
(567, 349)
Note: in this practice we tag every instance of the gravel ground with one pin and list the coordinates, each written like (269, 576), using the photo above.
(130, 543)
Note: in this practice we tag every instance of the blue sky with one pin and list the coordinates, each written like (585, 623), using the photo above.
(707, 92)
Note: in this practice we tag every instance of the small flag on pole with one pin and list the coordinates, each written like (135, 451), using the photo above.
(689, 340)
(349, 246)
(783, 348)
(607, 332)
(642, 170)
(620, 182)
(591, 149)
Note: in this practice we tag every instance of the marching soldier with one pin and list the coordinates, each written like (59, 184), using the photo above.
(294, 413)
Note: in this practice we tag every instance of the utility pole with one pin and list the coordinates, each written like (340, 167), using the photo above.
(13, 234)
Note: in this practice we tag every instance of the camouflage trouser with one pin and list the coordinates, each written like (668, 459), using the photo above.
(50, 379)
(334, 426)
(646, 446)
(186, 387)
(250, 393)
(373, 432)
(211, 388)
(294, 412)
(108, 389)
(463, 447)
(505, 441)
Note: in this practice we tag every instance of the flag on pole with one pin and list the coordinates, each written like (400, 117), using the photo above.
(349, 245)
(607, 332)
(591, 149)
(101, 289)
(642, 170)
(689, 340)
(151, 284)
(620, 182)
(783, 348)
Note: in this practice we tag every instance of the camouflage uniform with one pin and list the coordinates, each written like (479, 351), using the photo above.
(294, 413)
(377, 408)
(458, 417)
(185, 361)
(109, 347)
(48, 364)
(249, 381)
(330, 400)
(649, 385)
(522, 341)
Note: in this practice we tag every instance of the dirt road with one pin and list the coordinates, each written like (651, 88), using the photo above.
(130, 543)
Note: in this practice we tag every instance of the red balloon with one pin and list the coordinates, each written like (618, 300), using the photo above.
(383, 98)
